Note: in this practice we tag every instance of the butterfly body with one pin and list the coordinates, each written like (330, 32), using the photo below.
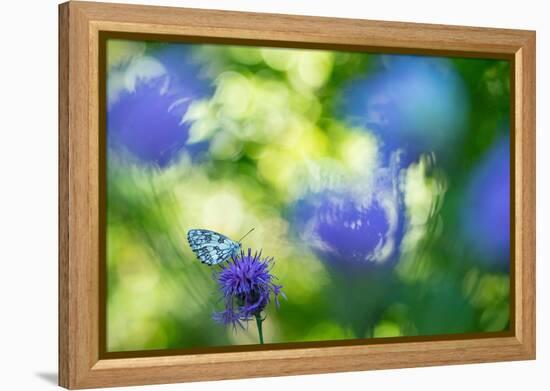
(212, 248)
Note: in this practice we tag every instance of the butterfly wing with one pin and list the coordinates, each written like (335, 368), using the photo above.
(211, 247)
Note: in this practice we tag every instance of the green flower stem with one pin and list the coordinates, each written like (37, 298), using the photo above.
(259, 321)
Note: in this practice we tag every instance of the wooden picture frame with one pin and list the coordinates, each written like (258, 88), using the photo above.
(81, 364)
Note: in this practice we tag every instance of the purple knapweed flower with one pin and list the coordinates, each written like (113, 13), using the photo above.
(247, 286)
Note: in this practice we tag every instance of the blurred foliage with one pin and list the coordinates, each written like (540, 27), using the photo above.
(270, 145)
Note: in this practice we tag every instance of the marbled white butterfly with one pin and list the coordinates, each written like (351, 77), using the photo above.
(213, 248)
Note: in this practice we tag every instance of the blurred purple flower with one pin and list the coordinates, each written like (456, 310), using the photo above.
(146, 119)
(247, 286)
(357, 226)
(351, 235)
(486, 210)
(415, 104)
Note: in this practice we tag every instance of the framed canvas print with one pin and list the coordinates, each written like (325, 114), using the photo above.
(248, 195)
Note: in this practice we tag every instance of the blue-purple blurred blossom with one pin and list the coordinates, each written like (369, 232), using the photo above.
(415, 104)
(486, 210)
(144, 116)
(354, 229)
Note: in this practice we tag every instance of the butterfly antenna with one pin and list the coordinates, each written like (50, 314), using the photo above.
(246, 235)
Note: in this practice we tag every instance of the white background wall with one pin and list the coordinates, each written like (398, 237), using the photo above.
(28, 193)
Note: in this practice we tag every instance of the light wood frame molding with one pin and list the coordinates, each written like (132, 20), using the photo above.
(80, 24)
